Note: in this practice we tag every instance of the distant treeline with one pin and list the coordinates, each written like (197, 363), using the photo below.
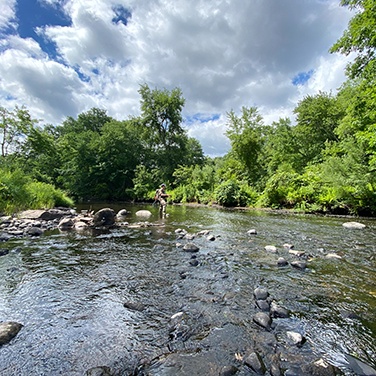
(325, 162)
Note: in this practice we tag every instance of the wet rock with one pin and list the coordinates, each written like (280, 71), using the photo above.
(354, 225)
(263, 319)
(143, 213)
(8, 330)
(34, 231)
(122, 213)
(5, 237)
(203, 233)
(134, 306)
(360, 368)
(180, 231)
(228, 371)
(320, 368)
(260, 293)
(299, 264)
(104, 217)
(271, 248)
(288, 246)
(46, 215)
(278, 312)
(66, 224)
(255, 362)
(4, 252)
(189, 236)
(296, 253)
(252, 232)
(281, 262)
(295, 338)
(333, 256)
(190, 247)
(194, 262)
(99, 371)
(263, 305)
(210, 238)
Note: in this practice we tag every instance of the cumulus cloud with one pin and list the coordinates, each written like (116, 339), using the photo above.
(223, 55)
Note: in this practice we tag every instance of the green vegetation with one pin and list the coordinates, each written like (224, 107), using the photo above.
(325, 162)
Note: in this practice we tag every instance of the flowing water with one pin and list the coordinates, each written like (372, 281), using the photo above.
(130, 299)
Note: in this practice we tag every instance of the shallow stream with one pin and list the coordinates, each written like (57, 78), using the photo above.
(129, 299)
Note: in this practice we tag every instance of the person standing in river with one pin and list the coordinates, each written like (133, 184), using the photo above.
(160, 195)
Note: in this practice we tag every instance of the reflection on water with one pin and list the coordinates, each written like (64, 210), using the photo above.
(69, 290)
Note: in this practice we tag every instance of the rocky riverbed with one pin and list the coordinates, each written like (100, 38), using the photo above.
(229, 322)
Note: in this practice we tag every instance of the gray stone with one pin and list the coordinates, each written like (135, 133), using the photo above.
(295, 338)
(354, 225)
(260, 293)
(190, 247)
(8, 330)
(299, 264)
(255, 362)
(104, 217)
(281, 262)
(143, 213)
(263, 319)
(278, 311)
(263, 305)
(271, 248)
(99, 371)
(66, 224)
(34, 231)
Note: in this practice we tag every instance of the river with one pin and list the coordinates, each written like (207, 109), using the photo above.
(132, 300)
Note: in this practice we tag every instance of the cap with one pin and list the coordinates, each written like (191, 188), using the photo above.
(163, 185)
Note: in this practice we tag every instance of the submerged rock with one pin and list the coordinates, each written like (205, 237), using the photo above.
(359, 367)
(8, 330)
(99, 371)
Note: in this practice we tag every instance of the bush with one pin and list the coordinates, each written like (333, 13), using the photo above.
(43, 195)
(19, 192)
(230, 193)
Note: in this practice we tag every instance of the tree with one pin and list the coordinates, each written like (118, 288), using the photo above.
(360, 37)
(246, 133)
(14, 125)
(317, 119)
(166, 141)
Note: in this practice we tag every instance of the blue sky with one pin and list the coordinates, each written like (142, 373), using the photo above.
(60, 58)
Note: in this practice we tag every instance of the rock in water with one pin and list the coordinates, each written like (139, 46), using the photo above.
(8, 330)
(263, 319)
(143, 213)
(355, 225)
(190, 247)
(104, 217)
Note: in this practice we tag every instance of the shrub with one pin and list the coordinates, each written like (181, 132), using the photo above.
(230, 193)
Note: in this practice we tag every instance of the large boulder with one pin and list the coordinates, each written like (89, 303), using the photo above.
(104, 217)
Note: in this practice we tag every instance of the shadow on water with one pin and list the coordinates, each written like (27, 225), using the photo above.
(132, 300)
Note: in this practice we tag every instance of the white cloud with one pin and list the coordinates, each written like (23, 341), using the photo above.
(7, 13)
(222, 54)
